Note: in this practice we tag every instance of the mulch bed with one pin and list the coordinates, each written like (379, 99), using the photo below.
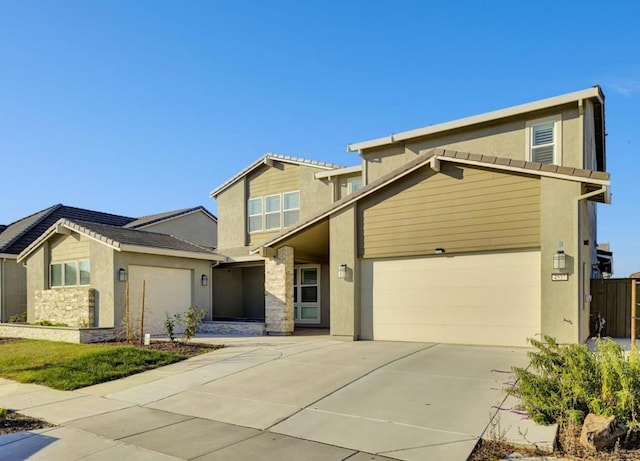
(15, 422)
(568, 448)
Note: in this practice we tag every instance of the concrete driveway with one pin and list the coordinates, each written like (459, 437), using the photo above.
(306, 398)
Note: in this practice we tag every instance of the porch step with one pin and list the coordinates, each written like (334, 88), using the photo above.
(233, 328)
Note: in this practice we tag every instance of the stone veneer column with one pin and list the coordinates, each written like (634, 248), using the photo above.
(278, 296)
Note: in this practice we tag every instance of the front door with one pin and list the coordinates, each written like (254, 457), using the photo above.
(306, 294)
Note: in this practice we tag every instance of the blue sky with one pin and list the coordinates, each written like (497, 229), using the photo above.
(137, 107)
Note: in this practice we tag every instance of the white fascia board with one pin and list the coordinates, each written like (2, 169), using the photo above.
(8, 256)
(338, 172)
(175, 253)
(476, 119)
(242, 259)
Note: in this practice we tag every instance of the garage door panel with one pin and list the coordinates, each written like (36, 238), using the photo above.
(167, 291)
(445, 299)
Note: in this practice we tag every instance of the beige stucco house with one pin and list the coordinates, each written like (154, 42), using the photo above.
(274, 193)
(18, 284)
(478, 231)
(78, 273)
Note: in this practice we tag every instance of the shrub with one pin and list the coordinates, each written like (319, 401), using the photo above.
(564, 383)
(49, 323)
(3, 414)
(170, 326)
(192, 319)
(19, 318)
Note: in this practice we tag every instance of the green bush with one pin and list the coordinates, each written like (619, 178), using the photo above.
(565, 383)
(192, 319)
(49, 323)
(3, 414)
(19, 318)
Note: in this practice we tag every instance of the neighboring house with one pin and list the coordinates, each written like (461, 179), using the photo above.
(20, 234)
(77, 273)
(477, 231)
(274, 193)
(196, 225)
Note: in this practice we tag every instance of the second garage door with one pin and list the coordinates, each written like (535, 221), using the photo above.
(491, 299)
(167, 291)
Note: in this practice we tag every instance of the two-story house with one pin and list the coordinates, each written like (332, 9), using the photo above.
(274, 193)
(479, 231)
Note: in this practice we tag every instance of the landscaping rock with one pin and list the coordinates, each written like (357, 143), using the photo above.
(601, 432)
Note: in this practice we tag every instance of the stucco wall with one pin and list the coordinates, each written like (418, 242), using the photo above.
(227, 292)
(14, 291)
(37, 276)
(503, 139)
(200, 294)
(103, 277)
(194, 227)
(342, 184)
(560, 307)
(344, 299)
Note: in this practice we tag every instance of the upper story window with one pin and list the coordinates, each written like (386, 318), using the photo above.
(273, 211)
(544, 140)
(354, 184)
(72, 273)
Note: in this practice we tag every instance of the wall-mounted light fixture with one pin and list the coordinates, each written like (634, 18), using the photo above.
(342, 271)
(559, 257)
(204, 280)
(559, 260)
(440, 251)
(122, 274)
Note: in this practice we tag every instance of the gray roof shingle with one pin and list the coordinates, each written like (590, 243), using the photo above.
(20, 234)
(158, 217)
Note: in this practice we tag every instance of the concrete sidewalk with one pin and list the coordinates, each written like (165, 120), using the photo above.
(275, 398)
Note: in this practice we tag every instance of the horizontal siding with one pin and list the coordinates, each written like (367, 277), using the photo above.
(259, 237)
(69, 248)
(281, 177)
(461, 210)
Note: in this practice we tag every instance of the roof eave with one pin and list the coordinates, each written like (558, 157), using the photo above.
(589, 93)
(172, 252)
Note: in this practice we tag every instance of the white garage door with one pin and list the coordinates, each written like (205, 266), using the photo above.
(491, 299)
(167, 290)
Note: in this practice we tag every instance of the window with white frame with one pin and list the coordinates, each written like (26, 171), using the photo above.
(254, 211)
(544, 140)
(69, 274)
(354, 184)
(291, 208)
(273, 211)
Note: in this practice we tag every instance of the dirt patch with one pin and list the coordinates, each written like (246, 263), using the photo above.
(568, 448)
(16, 422)
(185, 349)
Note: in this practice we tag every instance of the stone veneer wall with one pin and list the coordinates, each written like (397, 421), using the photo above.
(71, 306)
(66, 334)
(232, 328)
(278, 287)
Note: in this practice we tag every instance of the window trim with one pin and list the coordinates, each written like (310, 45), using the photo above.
(63, 280)
(282, 212)
(261, 214)
(350, 182)
(557, 137)
(279, 212)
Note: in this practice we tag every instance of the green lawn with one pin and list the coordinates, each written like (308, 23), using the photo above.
(68, 366)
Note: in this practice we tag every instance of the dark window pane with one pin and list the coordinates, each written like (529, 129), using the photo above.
(309, 294)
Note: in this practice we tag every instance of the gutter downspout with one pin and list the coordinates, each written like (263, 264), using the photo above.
(3, 261)
(578, 250)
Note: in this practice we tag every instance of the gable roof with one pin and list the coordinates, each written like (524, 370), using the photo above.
(594, 93)
(598, 179)
(123, 239)
(270, 157)
(20, 234)
(166, 216)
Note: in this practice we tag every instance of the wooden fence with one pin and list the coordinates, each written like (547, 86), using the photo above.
(612, 299)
